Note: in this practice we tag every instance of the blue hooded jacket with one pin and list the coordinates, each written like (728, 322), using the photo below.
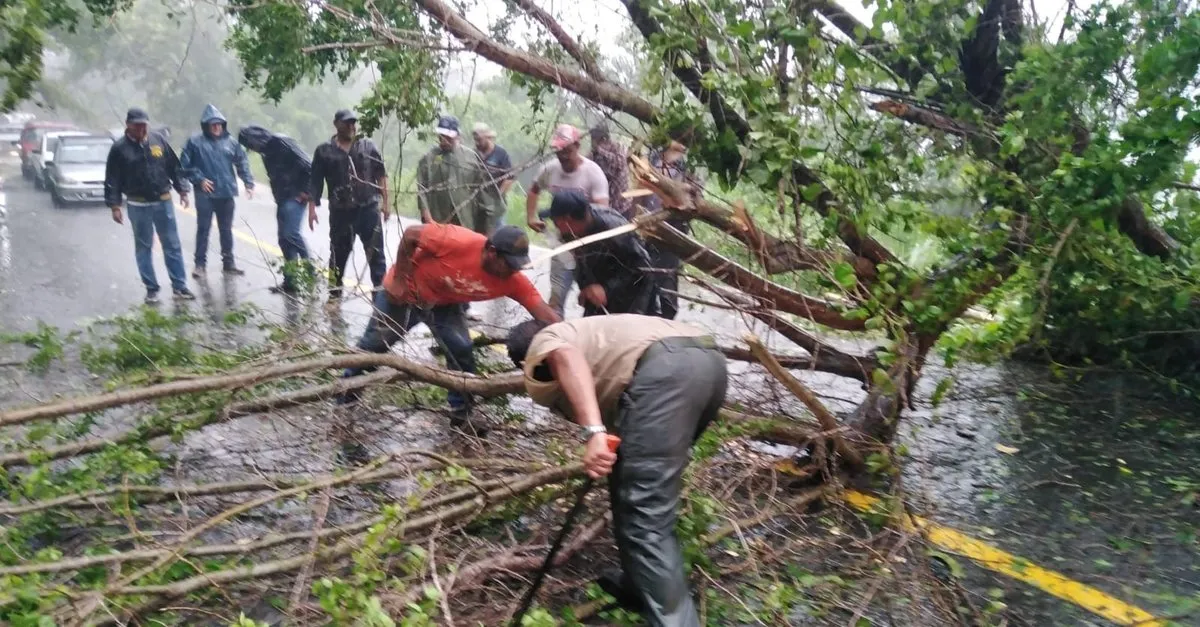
(215, 159)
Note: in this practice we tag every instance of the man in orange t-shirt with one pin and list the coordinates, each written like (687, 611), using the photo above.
(440, 267)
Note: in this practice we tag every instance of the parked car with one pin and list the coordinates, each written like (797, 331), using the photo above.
(76, 173)
(45, 152)
(31, 138)
(10, 133)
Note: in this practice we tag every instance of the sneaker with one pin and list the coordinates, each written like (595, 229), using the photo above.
(151, 297)
(286, 290)
(352, 453)
(462, 420)
(349, 397)
(335, 295)
(199, 273)
(233, 271)
(184, 294)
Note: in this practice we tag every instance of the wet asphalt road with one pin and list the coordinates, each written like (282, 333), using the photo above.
(1058, 502)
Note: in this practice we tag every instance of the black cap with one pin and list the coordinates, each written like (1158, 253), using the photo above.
(345, 115)
(447, 125)
(599, 131)
(137, 116)
(512, 244)
(566, 203)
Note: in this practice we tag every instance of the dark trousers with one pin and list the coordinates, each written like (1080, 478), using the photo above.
(344, 224)
(206, 208)
(665, 301)
(676, 391)
(392, 321)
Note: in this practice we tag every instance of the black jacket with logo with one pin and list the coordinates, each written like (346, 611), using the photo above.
(142, 172)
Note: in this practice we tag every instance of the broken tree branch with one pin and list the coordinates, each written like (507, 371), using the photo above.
(452, 380)
(828, 421)
(568, 43)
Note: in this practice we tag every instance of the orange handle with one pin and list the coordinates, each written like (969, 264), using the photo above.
(613, 442)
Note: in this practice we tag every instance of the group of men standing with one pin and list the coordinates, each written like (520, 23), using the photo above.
(654, 382)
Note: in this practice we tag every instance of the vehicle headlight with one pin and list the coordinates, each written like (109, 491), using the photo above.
(66, 180)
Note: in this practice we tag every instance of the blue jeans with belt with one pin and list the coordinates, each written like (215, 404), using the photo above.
(147, 219)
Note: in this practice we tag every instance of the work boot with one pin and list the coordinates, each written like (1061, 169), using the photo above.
(151, 297)
(199, 273)
(233, 270)
(463, 419)
(618, 585)
(184, 294)
(349, 397)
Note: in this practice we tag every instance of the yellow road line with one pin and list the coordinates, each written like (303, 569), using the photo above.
(996, 560)
(245, 237)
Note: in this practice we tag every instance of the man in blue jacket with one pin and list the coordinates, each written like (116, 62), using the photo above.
(141, 170)
(209, 159)
(288, 168)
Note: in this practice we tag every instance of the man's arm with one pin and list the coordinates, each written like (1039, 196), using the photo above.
(187, 164)
(506, 182)
(242, 164)
(423, 189)
(176, 172)
(316, 184)
(112, 180)
(574, 376)
(543, 312)
(407, 251)
(599, 186)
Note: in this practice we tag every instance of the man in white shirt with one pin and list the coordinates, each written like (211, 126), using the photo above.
(569, 171)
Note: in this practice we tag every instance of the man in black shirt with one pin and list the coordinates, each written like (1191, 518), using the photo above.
(612, 273)
(498, 166)
(353, 170)
(290, 172)
(140, 172)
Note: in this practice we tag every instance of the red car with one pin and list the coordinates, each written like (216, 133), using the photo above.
(31, 138)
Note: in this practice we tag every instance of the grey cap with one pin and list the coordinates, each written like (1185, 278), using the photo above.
(137, 115)
(345, 115)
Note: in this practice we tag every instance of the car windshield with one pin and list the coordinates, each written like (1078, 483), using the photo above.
(80, 152)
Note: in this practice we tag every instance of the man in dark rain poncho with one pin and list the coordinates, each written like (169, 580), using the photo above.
(289, 169)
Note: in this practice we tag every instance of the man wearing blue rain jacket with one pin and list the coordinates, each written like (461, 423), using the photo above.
(209, 159)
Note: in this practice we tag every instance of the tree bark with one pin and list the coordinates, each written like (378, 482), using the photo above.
(479, 42)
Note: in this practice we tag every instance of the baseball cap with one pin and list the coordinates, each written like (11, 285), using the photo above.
(137, 116)
(512, 244)
(345, 115)
(564, 135)
(565, 203)
(447, 125)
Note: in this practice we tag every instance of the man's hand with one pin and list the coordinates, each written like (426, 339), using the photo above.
(536, 224)
(250, 193)
(597, 459)
(594, 294)
(207, 186)
(312, 216)
(116, 214)
(385, 209)
(426, 217)
(183, 200)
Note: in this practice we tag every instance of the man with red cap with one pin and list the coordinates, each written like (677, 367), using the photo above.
(570, 171)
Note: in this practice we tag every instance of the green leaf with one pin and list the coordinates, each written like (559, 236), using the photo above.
(843, 273)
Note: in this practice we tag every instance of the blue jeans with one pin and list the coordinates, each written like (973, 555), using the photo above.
(146, 220)
(391, 322)
(562, 278)
(289, 216)
(206, 208)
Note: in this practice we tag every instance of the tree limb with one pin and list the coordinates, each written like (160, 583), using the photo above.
(568, 43)
(479, 42)
(828, 421)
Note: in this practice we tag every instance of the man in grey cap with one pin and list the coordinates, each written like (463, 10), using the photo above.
(353, 169)
(450, 182)
(140, 172)
(498, 166)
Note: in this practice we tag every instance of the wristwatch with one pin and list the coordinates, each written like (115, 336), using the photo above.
(586, 433)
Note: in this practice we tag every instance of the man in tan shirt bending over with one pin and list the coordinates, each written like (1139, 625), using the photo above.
(656, 384)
